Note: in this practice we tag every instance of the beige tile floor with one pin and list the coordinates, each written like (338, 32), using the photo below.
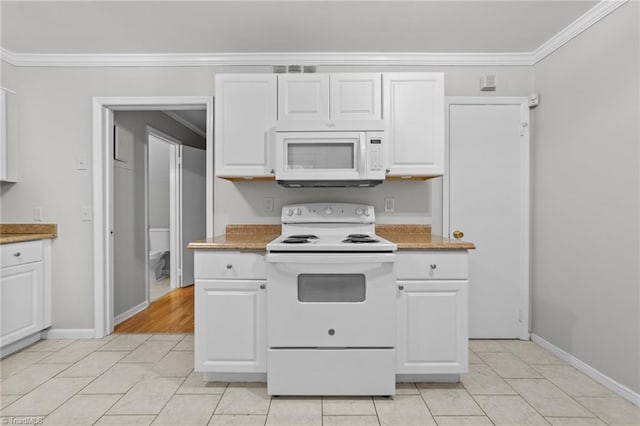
(140, 379)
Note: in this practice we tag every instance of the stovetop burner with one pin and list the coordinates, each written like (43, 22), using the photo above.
(359, 236)
(360, 240)
(291, 240)
(304, 236)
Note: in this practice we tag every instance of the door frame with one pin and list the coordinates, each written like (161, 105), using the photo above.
(102, 161)
(525, 198)
(175, 210)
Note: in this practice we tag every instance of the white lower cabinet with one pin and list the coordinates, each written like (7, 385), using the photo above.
(230, 315)
(432, 314)
(25, 293)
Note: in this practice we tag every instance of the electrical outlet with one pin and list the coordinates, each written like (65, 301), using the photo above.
(86, 214)
(267, 204)
(38, 214)
(389, 205)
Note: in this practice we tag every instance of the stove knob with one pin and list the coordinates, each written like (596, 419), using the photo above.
(328, 210)
(298, 211)
(290, 212)
(359, 211)
(366, 212)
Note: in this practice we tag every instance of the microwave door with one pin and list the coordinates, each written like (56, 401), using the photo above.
(319, 156)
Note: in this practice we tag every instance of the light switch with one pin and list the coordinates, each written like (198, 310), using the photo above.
(38, 214)
(82, 164)
(267, 204)
(86, 214)
(389, 205)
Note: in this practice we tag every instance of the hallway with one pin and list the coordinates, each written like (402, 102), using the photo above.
(172, 313)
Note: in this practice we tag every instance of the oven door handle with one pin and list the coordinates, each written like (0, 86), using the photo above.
(317, 258)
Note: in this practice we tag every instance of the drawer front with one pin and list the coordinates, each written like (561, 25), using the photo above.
(452, 265)
(229, 265)
(21, 253)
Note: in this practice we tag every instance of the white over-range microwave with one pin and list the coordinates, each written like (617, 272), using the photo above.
(330, 158)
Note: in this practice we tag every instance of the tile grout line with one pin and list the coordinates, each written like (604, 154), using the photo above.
(373, 401)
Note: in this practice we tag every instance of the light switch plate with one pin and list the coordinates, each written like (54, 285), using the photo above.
(389, 205)
(267, 204)
(86, 214)
(82, 164)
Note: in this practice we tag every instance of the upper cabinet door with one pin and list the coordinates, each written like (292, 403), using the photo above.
(413, 107)
(245, 112)
(303, 97)
(356, 96)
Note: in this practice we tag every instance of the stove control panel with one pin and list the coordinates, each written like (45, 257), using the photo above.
(328, 213)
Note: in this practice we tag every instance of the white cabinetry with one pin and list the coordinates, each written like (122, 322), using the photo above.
(413, 109)
(245, 113)
(230, 314)
(25, 293)
(8, 136)
(329, 97)
(432, 313)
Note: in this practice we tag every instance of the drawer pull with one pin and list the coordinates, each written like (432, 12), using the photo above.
(263, 286)
(17, 254)
(400, 287)
(433, 266)
(229, 266)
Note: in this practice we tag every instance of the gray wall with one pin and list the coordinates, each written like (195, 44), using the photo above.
(130, 234)
(158, 183)
(585, 204)
(55, 129)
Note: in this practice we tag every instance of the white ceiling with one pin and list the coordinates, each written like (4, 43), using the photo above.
(290, 26)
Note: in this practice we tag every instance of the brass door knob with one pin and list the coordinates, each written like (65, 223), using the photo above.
(458, 234)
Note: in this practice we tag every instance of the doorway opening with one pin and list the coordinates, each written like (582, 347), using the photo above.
(127, 229)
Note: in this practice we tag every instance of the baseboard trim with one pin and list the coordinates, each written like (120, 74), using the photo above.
(596, 375)
(68, 333)
(130, 312)
(14, 347)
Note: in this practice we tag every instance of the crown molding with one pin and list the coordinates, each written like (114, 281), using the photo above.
(274, 58)
(591, 17)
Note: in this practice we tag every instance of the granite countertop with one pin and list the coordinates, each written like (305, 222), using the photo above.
(256, 237)
(19, 232)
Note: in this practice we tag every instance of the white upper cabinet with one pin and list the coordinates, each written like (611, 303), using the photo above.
(329, 97)
(303, 97)
(245, 113)
(356, 96)
(413, 108)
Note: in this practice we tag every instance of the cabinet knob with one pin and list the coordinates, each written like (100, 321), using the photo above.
(458, 234)
(263, 286)
(433, 266)
(387, 171)
(400, 287)
(17, 254)
(229, 266)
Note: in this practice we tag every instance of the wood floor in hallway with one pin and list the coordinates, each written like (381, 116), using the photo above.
(172, 313)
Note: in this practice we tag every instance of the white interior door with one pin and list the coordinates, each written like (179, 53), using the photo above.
(193, 201)
(487, 197)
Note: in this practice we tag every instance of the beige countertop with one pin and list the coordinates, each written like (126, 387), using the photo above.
(19, 232)
(256, 237)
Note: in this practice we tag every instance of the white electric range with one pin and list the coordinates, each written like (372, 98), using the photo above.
(331, 303)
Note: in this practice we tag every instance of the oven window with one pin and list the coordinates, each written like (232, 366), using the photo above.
(331, 288)
(320, 156)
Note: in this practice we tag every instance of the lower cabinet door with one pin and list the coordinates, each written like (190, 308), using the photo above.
(433, 328)
(230, 329)
(22, 296)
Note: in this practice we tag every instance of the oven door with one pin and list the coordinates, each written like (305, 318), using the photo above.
(331, 300)
(320, 156)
